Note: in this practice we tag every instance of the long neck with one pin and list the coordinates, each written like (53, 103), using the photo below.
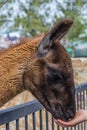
(12, 64)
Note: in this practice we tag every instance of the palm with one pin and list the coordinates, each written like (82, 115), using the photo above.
(80, 116)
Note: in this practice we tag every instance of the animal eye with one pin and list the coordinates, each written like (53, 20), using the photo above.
(57, 77)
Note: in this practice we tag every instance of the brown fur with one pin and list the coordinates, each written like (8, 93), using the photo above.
(43, 67)
(12, 64)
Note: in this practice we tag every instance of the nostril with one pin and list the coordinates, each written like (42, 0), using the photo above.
(57, 111)
(67, 116)
(70, 114)
(58, 108)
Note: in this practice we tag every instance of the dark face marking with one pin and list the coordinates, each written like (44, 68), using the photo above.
(49, 76)
(55, 76)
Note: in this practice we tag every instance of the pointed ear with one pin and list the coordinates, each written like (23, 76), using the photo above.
(56, 33)
(60, 29)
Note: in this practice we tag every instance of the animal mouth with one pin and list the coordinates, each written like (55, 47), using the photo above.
(63, 118)
(60, 113)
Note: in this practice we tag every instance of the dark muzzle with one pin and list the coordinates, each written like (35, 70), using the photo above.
(63, 114)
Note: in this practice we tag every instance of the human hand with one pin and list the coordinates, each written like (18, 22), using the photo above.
(80, 116)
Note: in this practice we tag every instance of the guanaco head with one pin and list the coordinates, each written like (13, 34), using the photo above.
(49, 75)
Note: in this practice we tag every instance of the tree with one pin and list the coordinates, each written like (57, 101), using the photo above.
(73, 10)
(32, 17)
(26, 17)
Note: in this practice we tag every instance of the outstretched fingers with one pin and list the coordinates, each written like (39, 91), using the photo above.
(65, 124)
(80, 116)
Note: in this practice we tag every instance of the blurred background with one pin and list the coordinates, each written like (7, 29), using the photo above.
(27, 18)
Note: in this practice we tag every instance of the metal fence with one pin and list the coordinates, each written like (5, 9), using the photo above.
(35, 117)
